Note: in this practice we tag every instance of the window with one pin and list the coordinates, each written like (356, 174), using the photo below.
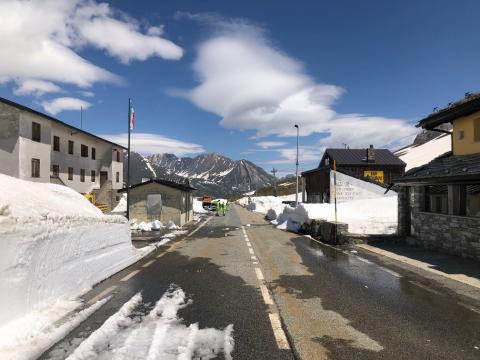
(70, 173)
(473, 200)
(117, 177)
(56, 143)
(93, 175)
(94, 153)
(118, 155)
(36, 132)
(82, 175)
(461, 135)
(436, 199)
(55, 170)
(70, 147)
(35, 168)
(84, 150)
(476, 130)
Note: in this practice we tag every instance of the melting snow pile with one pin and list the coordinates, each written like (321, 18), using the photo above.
(122, 205)
(132, 333)
(198, 208)
(55, 246)
(366, 216)
(270, 206)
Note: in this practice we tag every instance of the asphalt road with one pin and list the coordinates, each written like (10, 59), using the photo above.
(239, 270)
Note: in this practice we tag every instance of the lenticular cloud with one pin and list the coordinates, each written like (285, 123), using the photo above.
(132, 333)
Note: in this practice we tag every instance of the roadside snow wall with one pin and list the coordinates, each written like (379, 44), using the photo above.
(54, 245)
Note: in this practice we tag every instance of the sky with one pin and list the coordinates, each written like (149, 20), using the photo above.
(234, 77)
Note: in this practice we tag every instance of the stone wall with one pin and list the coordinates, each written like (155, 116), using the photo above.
(325, 230)
(457, 235)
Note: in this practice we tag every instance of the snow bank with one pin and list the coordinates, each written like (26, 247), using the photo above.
(122, 205)
(131, 333)
(55, 246)
(198, 208)
(371, 216)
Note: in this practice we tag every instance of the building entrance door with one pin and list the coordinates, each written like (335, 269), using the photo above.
(103, 177)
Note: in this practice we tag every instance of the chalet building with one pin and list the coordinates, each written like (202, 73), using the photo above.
(379, 166)
(439, 203)
(161, 200)
(38, 147)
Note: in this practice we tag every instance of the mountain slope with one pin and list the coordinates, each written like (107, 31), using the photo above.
(212, 173)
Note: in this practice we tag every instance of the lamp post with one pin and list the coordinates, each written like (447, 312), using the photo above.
(296, 169)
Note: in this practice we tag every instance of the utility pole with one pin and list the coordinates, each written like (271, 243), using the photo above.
(296, 168)
(274, 171)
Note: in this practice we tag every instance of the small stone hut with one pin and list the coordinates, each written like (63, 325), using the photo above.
(161, 200)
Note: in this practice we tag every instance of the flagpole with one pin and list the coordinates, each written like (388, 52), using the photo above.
(128, 159)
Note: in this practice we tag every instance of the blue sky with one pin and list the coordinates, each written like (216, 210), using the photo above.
(233, 77)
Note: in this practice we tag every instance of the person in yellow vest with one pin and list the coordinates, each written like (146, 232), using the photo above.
(217, 208)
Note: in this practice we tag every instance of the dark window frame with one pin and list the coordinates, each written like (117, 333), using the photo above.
(82, 175)
(83, 150)
(71, 147)
(55, 170)
(36, 132)
(93, 175)
(56, 143)
(94, 153)
(70, 173)
(117, 176)
(35, 168)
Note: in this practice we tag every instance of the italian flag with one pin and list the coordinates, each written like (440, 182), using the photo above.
(132, 118)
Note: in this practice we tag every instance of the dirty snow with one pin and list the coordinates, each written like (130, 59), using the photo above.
(122, 205)
(136, 333)
(197, 207)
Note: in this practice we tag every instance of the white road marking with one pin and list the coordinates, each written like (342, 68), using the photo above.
(198, 228)
(391, 272)
(148, 264)
(253, 257)
(363, 259)
(129, 276)
(469, 307)
(160, 255)
(250, 250)
(101, 295)
(259, 274)
(249, 245)
(267, 299)
(255, 262)
(425, 287)
(280, 336)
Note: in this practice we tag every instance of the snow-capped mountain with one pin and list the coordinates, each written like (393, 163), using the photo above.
(212, 173)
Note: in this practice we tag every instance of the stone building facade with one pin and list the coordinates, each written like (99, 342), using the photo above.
(161, 200)
(457, 235)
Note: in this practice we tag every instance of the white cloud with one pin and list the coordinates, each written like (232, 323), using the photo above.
(251, 84)
(64, 103)
(146, 143)
(40, 41)
(305, 154)
(270, 144)
(35, 87)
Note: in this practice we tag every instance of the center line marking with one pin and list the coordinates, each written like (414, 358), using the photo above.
(129, 276)
(148, 263)
(250, 250)
(267, 299)
(280, 336)
(259, 274)
(101, 295)
(253, 257)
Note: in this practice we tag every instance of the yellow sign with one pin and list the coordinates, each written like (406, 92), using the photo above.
(374, 175)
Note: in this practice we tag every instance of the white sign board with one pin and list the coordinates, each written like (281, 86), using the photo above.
(350, 188)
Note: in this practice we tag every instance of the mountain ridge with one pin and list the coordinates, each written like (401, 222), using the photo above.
(211, 173)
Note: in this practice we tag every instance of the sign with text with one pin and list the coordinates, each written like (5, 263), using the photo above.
(350, 188)
(374, 175)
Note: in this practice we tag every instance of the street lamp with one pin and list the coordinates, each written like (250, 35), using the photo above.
(296, 169)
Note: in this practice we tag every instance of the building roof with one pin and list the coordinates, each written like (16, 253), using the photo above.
(463, 107)
(445, 168)
(23, 107)
(171, 184)
(359, 157)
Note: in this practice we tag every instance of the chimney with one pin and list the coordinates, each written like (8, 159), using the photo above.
(371, 154)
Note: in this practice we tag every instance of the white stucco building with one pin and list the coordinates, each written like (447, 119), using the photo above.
(38, 147)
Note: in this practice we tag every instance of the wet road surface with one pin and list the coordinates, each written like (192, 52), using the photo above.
(332, 305)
